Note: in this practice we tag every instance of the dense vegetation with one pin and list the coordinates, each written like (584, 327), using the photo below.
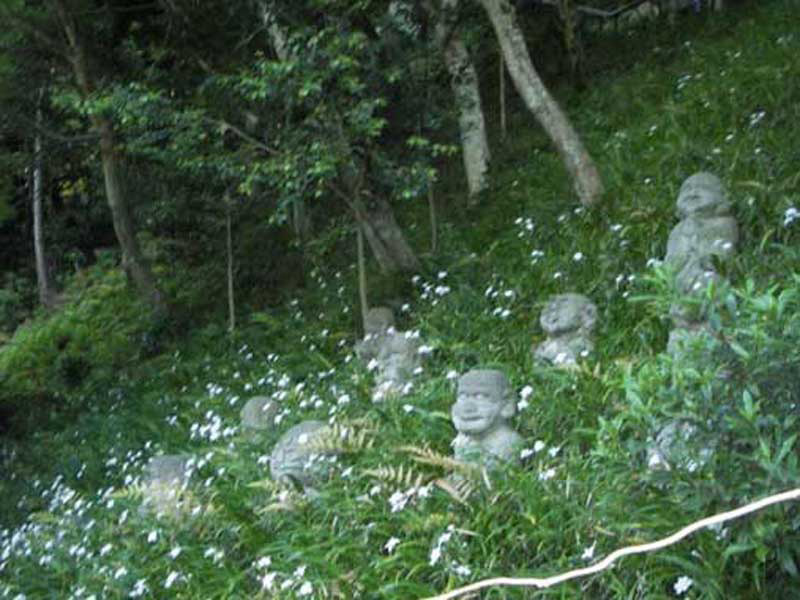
(93, 388)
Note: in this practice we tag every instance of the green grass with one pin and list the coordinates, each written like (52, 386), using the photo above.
(719, 96)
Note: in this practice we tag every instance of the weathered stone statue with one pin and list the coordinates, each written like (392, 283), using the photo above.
(164, 482)
(484, 404)
(675, 447)
(258, 414)
(706, 231)
(296, 461)
(378, 324)
(568, 320)
(397, 360)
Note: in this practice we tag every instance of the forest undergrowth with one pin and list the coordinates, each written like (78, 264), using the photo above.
(712, 93)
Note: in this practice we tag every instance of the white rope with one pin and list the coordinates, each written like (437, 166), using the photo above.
(638, 549)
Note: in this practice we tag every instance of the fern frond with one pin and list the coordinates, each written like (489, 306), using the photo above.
(428, 456)
(342, 438)
(402, 476)
(459, 489)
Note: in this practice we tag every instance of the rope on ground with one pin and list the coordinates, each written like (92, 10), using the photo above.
(638, 549)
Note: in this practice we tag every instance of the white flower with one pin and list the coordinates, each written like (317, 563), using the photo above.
(436, 554)
(305, 589)
(451, 374)
(462, 571)
(522, 405)
(539, 445)
(553, 451)
(175, 552)
(525, 453)
(526, 392)
(790, 216)
(588, 553)
(683, 584)
(424, 350)
(442, 274)
(105, 549)
(171, 578)
(391, 544)
(548, 474)
(577, 257)
(268, 581)
(120, 573)
(263, 562)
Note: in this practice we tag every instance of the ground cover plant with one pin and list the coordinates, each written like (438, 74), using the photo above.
(719, 95)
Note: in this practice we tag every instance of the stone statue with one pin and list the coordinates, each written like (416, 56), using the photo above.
(397, 360)
(568, 320)
(296, 461)
(378, 324)
(258, 414)
(706, 231)
(164, 482)
(675, 446)
(483, 406)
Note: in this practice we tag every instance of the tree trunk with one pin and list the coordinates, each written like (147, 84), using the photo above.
(45, 293)
(229, 252)
(464, 83)
(132, 260)
(585, 177)
(384, 236)
(362, 277)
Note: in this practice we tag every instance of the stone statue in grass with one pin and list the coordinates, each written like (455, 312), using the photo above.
(258, 414)
(484, 404)
(164, 484)
(378, 325)
(395, 365)
(706, 233)
(568, 320)
(297, 459)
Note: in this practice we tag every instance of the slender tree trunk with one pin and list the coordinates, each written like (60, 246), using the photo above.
(362, 277)
(502, 86)
(42, 278)
(464, 83)
(229, 252)
(132, 260)
(585, 177)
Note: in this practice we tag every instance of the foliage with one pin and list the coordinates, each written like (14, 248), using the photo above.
(710, 95)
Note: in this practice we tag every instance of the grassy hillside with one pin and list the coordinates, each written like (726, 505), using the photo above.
(720, 94)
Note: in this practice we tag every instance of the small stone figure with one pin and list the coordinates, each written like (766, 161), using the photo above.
(675, 446)
(706, 230)
(164, 483)
(258, 414)
(378, 324)
(483, 406)
(396, 362)
(296, 461)
(568, 320)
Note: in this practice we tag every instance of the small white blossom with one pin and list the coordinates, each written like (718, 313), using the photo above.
(539, 445)
(588, 553)
(577, 257)
(391, 544)
(175, 552)
(305, 589)
(683, 584)
(171, 579)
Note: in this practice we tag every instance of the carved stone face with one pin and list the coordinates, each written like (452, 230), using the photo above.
(293, 457)
(482, 402)
(702, 195)
(398, 358)
(378, 320)
(568, 312)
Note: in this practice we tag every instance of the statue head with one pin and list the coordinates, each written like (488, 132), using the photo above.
(702, 195)
(483, 402)
(565, 313)
(378, 320)
(398, 357)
